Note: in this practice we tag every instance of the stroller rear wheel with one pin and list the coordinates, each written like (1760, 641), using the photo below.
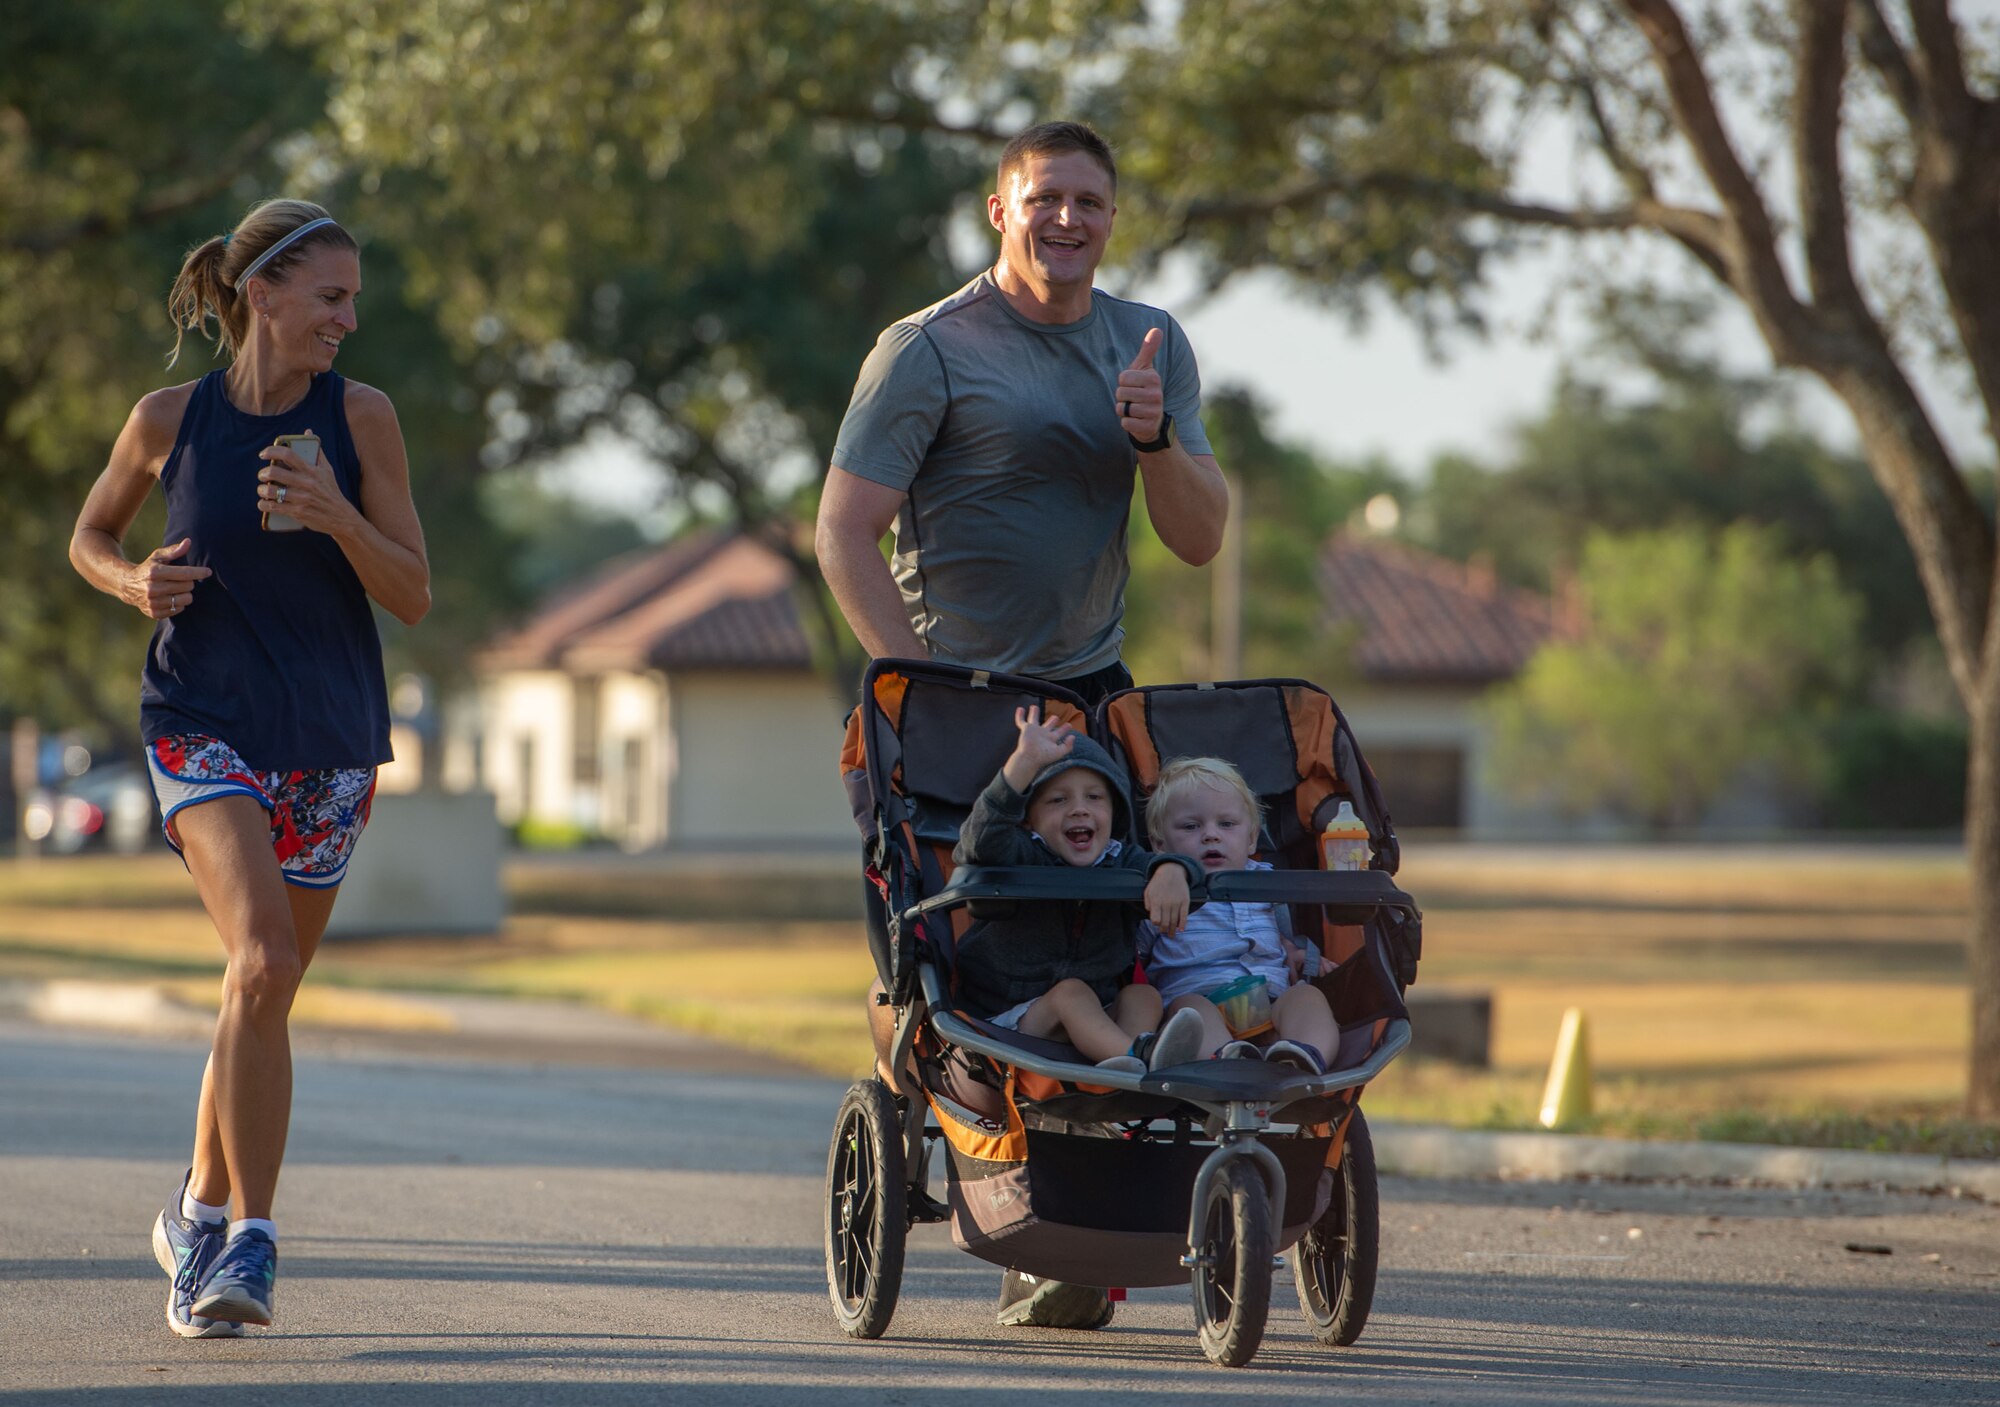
(1335, 1263)
(867, 1217)
(1232, 1271)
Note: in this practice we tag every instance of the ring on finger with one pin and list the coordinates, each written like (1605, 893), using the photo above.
(281, 493)
(1125, 410)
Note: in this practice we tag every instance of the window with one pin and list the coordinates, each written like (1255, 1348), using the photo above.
(1423, 786)
(524, 775)
(583, 711)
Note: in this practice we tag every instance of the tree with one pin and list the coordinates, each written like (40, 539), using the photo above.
(1702, 655)
(1833, 167)
(1702, 446)
(1288, 502)
(685, 224)
(98, 200)
(185, 125)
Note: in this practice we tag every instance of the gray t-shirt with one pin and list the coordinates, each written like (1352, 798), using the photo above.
(1010, 549)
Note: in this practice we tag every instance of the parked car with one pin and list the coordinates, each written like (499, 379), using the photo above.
(110, 807)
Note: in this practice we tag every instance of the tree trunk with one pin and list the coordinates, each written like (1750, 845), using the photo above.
(1982, 854)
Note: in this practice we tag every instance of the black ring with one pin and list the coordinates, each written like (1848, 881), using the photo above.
(1124, 410)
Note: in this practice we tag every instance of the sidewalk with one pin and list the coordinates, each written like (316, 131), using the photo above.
(501, 1028)
(449, 1025)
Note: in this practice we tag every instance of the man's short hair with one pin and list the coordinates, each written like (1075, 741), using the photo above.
(1048, 138)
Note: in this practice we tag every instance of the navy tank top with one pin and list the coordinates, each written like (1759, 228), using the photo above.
(277, 653)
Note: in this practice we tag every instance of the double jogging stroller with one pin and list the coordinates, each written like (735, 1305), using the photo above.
(1059, 1169)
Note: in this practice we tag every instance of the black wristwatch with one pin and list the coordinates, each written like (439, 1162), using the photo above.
(1165, 440)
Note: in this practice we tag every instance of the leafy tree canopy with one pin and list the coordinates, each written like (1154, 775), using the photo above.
(1702, 654)
(99, 199)
(186, 123)
(1288, 501)
(1703, 447)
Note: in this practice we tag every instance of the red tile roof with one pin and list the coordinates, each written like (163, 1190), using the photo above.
(1421, 618)
(712, 600)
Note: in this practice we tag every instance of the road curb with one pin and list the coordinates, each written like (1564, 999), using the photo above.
(1420, 1150)
(106, 1006)
(1405, 1150)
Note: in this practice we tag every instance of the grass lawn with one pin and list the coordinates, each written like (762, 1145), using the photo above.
(1809, 996)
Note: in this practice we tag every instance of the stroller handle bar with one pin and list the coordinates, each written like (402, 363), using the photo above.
(1350, 896)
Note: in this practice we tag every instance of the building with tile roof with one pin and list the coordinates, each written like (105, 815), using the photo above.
(667, 700)
(1429, 638)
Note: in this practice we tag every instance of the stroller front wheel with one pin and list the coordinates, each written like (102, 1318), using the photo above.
(867, 1219)
(1232, 1270)
(1335, 1263)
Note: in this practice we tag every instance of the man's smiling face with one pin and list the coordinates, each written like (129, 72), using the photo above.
(1054, 217)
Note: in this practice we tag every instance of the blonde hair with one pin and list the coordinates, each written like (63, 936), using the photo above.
(206, 288)
(1184, 774)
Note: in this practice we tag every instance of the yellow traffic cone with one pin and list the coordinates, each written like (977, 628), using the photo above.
(1566, 1098)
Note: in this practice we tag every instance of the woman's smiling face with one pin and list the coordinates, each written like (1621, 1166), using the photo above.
(310, 313)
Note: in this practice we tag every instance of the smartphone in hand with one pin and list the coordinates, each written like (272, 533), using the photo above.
(306, 447)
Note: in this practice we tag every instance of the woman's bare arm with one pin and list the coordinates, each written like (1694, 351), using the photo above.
(156, 586)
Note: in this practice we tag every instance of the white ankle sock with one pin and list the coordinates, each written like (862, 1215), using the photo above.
(201, 1211)
(252, 1223)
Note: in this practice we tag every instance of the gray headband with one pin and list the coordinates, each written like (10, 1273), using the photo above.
(275, 250)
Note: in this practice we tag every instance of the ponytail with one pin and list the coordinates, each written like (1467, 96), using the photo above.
(199, 294)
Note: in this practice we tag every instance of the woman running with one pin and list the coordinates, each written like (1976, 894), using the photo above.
(262, 702)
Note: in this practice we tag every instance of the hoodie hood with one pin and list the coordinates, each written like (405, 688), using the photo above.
(1086, 752)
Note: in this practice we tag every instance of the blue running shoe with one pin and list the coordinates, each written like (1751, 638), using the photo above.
(238, 1288)
(186, 1250)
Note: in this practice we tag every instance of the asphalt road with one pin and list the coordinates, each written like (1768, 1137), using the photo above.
(483, 1232)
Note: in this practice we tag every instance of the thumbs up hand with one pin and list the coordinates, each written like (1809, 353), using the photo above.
(1141, 403)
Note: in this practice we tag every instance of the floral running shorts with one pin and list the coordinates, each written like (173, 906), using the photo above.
(316, 816)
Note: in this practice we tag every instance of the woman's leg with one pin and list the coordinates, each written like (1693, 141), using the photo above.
(248, 1087)
(310, 910)
(1214, 1030)
(1303, 1015)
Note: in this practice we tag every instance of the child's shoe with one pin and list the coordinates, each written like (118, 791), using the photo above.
(1240, 1050)
(1297, 1054)
(1124, 1065)
(1179, 1041)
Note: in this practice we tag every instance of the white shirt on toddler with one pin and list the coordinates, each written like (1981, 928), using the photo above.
(1220, 943)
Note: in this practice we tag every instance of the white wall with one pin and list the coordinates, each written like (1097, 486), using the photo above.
(756, 761)
(1436, 716)
(530, 704)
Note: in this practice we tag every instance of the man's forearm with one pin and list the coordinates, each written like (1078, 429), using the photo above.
(1187, 502)
(866, 594)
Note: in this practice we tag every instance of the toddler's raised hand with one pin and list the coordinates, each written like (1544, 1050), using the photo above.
(1167, 898)
(1043, 741)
